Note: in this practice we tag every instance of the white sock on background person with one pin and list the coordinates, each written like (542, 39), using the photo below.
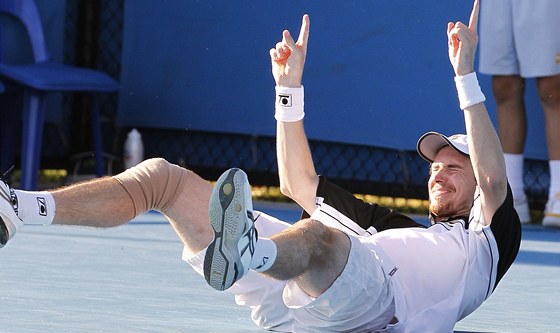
(554, 187)
(514, 172)
(35, 207)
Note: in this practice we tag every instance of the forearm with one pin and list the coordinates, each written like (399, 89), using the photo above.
(486, 152)
(298, 178)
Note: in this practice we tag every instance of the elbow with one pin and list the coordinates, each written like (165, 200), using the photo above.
(285, 189)
(286, 186)
(301, 189)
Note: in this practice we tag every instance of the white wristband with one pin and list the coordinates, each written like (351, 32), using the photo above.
(289, 104)
(468, 90)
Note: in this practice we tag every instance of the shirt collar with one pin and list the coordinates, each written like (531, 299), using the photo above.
(465, 218)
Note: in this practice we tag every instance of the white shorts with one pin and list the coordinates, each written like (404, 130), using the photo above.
(524, 42)
(348, 305)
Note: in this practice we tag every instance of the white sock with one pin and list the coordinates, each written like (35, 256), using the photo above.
(264, 256)
(35, 207)
(554, 166)
(514, 172)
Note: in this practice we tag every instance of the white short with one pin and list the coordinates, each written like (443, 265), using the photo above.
(348, 305)
(520, 37)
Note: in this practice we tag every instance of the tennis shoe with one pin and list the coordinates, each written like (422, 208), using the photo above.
(229, 255)
(552, 211)
(522, 207)
(9, 221)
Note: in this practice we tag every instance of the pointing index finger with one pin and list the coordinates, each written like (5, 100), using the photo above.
(304, 32)
(473, 21)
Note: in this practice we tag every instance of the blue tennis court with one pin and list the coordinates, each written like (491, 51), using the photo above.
(132, 279)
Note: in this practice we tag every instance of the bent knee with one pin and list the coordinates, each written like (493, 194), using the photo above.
(153, 184)
(322, 238)
(156, 166)
(328, 247)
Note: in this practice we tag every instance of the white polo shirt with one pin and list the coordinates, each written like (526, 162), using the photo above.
(444, 272)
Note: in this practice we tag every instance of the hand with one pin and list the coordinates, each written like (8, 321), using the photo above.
(463, 42)
(288, 58)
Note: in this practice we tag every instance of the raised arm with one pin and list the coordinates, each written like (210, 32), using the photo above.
(298, 178)
(484, 147)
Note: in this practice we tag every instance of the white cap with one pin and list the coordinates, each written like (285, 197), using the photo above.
(430, 143)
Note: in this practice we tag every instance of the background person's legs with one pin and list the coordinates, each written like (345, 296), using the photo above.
(549, 93)
(512, 128)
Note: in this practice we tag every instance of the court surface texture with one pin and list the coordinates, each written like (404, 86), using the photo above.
(132, 279)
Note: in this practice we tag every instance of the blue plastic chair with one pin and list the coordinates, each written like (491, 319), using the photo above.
(45, 76)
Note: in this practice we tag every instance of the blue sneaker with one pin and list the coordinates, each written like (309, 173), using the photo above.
(9, 221)
(231, 214)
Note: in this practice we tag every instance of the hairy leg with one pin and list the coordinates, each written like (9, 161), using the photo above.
(155, 184)
(101, 202)
(310, 253)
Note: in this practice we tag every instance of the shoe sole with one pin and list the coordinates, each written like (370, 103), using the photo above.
(228, 217)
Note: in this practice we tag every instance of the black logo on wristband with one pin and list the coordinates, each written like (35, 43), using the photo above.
(42, 203)
(284, 100)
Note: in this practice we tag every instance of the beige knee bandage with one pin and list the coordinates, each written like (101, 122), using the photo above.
(153, 184)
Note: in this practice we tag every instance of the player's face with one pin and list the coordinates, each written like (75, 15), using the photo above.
(452, 184)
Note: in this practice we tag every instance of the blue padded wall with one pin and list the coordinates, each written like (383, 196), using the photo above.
(377, 72)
